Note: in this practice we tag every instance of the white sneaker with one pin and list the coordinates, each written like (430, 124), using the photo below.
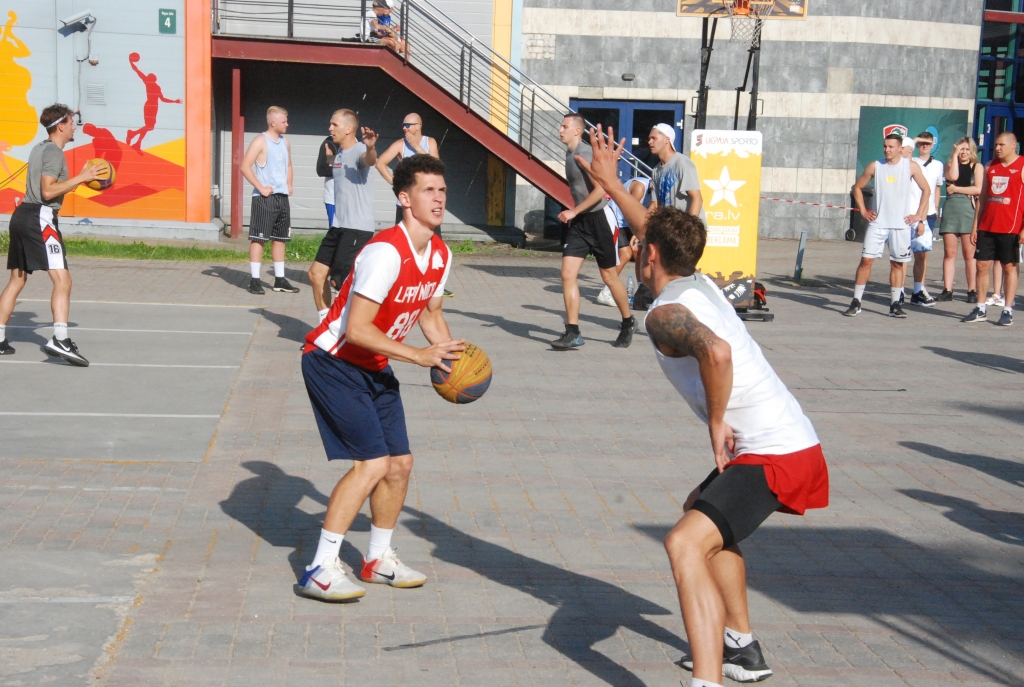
(328, 581)
(995, 299)
(605, 297)
(389, 570)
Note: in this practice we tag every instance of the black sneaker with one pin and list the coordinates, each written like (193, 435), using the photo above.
(1006, 319)
(976, 316)
(280, 284)
(972, 297)
(567, 341)
(945, 296)
(255, 287)
(742, 665)
(903, 297)
(626, 333)
(6, 348)
(67, 350)
(923, 299)
(854, 308)
(896, 311)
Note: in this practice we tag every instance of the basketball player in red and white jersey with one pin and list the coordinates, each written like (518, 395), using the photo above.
(767, 455)
(997, 226)
(396, 281)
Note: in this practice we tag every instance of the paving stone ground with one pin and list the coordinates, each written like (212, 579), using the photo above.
(537, 512)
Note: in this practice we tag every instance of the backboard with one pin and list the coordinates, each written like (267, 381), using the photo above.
(784, 9)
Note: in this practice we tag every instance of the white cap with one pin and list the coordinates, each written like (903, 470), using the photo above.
(908, 142)
(669, 132)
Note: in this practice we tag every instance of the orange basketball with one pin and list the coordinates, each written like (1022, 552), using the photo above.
(468, 380)
(107, 176)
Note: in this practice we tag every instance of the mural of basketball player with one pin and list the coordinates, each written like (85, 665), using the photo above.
(20, 120)
(103, 142)
(154, 96)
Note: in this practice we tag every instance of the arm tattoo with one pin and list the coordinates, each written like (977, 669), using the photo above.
(674, 326)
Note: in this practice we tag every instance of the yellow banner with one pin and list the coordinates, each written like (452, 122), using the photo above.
(729, 168)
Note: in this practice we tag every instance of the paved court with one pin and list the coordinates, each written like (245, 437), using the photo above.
(163, 559)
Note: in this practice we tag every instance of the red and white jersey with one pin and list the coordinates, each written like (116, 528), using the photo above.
(1004, 198)
(387, 271)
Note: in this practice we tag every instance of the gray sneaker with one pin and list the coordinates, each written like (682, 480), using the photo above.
(977, 315)
(1006, 319)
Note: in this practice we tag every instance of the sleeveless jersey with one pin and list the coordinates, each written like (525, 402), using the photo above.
(409, 151)
(406, 298)
(892, 193)
(274, 172)
(1004, 198)
(765, 417)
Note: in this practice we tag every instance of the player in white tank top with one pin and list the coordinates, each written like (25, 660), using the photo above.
(766, 451)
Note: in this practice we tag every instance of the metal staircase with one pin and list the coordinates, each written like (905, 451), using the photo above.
(454, 68)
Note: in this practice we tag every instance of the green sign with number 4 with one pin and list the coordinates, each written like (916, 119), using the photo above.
(168, 21)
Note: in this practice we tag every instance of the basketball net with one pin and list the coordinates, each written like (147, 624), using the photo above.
(747, 17)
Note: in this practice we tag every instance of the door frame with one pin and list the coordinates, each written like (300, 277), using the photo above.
(626, 108)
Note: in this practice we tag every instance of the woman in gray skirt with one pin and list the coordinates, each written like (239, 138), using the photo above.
(964, 176)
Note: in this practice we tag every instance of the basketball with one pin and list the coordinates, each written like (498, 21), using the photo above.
(469, 378)
(134, 57)
(107, 177)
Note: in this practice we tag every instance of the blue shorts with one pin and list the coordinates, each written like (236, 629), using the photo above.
(359, 413)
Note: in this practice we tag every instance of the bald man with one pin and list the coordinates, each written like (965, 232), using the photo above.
(413, 142)
(997, 226)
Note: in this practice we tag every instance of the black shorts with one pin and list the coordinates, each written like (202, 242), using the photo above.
(592, 234)
(338, 250)
(1002, 248)
(270, 219)
(625, 236)
(36, 242)
(737, 501)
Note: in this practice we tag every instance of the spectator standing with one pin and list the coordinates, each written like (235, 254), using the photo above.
(639, 187)
(674, 182)
(933, 171)
(325, 171)
(964, 175)
(413, 142)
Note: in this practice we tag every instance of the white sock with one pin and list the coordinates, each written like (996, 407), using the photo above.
(279, 269)
(895, 294)
(703, 683)
(737, 640)
(328, 548)
(60, 330)
(858, 291)
(254, 269)
(1008, 309)
(380, 540)
(3, 332)
(918, 287)
(982, 307)
(322, 313)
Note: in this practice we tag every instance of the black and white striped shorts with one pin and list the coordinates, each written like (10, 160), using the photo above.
(270, 219)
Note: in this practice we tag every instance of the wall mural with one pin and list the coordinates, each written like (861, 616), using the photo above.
(130, 131)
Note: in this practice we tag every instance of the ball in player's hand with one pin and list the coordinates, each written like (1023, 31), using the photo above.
(134, 57)
(469, 379)
(107, 175)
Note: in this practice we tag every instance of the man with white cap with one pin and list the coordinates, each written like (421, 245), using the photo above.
(921, 235)
(674, 181)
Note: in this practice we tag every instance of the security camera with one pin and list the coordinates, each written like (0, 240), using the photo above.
(84, 17)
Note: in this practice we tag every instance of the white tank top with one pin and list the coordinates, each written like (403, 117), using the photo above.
(274, 172)
(765, 417)
(409, 151)
(892, 193)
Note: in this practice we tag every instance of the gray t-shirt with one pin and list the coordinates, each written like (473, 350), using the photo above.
(580, 185)
(353, 194)
(45, 158)
(671, 180)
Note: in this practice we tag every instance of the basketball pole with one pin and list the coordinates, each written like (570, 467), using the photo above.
(755, 77)
(707, 46)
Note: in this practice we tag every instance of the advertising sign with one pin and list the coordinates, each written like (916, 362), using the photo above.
(729, 168)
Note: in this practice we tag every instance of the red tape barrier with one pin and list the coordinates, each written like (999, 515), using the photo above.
(817, 205)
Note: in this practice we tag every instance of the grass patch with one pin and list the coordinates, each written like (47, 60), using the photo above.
(463, 247)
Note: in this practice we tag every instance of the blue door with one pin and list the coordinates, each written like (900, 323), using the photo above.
(634, 120)
(994, 119)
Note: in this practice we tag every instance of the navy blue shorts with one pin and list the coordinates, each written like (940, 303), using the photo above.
(359, 413)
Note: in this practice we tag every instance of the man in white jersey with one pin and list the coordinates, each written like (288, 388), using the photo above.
(767, 454)
(889, 222)
(639, 188)
(921, 243)
(267, 165)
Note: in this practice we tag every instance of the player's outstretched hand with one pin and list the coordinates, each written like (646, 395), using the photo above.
(604, 170)
(723, 443)
(369, 137)
(434, 356)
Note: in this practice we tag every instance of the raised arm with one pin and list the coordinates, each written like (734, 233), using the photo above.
(370, 141)
(604, 172)
(677, 333)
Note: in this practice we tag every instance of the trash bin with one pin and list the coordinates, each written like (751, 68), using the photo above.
(858, 224)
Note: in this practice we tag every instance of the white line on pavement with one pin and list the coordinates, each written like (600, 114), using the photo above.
(177, 305)
(66, 599)
(46, 362)
(135, 331)
(43, 487)
(154, 416)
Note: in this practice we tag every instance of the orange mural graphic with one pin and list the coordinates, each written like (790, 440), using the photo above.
(18, 121)
(154, 96)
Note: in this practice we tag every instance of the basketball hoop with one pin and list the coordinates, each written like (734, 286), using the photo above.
(747, 17)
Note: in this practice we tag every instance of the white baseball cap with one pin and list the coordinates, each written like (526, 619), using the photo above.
(669, 132)
(908, 142)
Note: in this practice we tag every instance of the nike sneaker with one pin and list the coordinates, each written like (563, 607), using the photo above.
(389, 570)
(626, 333)
(605, 297)
(6, 348)
(976, 316)
(67, 350)
(854, 308)
(255, 287)
(284, 286)
(567, 341)
(896, 311)
(742, 665)
(328, 581)
(922, 298)
(1006, 319)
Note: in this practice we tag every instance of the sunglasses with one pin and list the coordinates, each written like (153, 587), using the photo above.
(923, 144)
(406, 125)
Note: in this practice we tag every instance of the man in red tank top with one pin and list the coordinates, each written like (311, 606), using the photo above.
(397, 280)
(997, 226)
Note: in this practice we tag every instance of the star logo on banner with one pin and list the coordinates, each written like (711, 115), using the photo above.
(724, 189)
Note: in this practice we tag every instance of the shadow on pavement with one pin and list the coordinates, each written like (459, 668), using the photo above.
(1011, 413)
(520, 329)
(35, 330)
(240, 276)
(290, 328)
(1003, 526)
(991, 361)
(549, 274)
(610, 324)
(933, 598)
(587, 611)
(1009, 471)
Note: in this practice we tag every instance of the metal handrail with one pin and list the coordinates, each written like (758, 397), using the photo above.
(485, 82)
